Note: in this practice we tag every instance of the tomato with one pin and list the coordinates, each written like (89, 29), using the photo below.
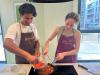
(39, 65)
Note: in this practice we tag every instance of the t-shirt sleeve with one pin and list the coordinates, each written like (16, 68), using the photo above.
(11, 32)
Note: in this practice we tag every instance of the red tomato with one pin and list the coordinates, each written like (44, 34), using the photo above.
(39, 65)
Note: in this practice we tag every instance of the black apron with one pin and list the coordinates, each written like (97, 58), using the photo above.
(27, 43)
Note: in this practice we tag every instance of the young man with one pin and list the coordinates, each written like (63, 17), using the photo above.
(22, 37)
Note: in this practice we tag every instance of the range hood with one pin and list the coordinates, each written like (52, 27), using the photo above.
(49, 1)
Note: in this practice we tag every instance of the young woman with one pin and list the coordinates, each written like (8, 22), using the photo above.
(68, 40)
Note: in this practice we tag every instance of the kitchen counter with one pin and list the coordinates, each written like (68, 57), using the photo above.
(23, 69)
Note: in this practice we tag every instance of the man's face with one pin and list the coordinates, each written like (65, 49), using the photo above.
(26, 19)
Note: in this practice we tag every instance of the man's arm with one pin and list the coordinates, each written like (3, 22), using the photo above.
(10, 46)
(37, 48)
(37, 45)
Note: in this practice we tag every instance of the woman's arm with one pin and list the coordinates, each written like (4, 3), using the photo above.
(60, 56)
(76, 50)
(50, 38)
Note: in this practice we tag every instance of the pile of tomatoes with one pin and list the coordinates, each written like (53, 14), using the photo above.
(39, 65)
(47, 70)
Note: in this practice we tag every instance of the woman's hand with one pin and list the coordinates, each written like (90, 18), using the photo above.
(45, 52)
(60, 56)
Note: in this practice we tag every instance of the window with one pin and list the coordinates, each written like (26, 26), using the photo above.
(90, 30)
(2, 53)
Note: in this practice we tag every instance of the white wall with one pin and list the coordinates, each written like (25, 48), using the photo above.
(40, 21)
(75, 6)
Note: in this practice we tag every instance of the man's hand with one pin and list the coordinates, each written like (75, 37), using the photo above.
(32, 58)
(37, 53)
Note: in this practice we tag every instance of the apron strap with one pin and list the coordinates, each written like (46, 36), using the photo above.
(60, 32)
(32, 32)
(30, 28)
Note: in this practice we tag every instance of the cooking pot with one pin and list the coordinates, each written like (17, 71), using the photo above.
(45, 69)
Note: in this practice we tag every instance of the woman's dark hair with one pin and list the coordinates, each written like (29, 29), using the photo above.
(73, 16)
(27, 8)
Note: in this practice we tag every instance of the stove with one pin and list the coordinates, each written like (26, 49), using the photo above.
(59, 70)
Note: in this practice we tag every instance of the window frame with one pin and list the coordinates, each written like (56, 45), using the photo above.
(2, 42)
(86, 31)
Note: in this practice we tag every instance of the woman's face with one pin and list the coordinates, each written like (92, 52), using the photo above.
(26, 19)
(69, 23)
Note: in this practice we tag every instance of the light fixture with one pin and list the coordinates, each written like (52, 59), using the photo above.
(49, 1)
